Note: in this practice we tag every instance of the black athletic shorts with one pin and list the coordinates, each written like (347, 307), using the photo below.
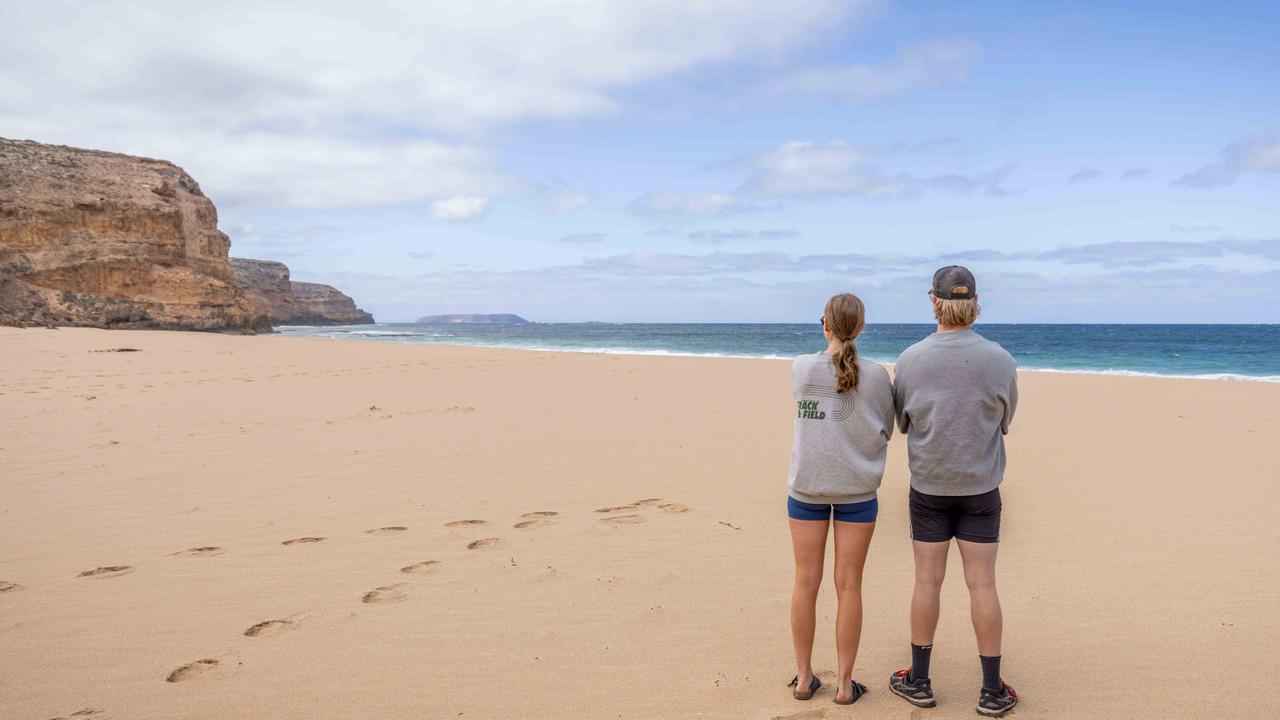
(938, 518)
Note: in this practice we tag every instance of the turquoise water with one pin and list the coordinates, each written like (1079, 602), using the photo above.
(1250, 352)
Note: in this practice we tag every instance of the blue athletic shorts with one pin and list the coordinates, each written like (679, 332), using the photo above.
(863, 512)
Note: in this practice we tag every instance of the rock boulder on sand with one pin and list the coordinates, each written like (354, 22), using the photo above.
(99, 239)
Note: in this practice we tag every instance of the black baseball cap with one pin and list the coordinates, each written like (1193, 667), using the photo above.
(954, 282)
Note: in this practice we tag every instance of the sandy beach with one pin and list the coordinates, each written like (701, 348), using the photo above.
(266, 527)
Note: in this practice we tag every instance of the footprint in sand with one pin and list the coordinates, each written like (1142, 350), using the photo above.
(535, 519)
(616, 508)
(624, 519)
(108, 571)
(271, 628)
(463, 523)
(662, 505)
(388, 530)
(7, 586)
(420, 567)
(484, 543)
(205, 551)
(192, 670)
(84, 713)
(303, 540)
(385, 594)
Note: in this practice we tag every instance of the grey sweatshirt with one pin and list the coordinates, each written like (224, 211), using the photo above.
(956, 393)
(840, 439)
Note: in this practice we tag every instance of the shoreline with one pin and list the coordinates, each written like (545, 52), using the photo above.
(636, 352)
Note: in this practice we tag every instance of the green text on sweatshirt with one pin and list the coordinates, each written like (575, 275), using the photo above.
(840, 438)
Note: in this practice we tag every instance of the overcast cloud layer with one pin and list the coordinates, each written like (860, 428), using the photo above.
(717, 160)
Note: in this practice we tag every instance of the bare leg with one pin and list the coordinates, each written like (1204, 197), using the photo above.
(852, 540)
(809, 539)
(926, 599)
(984, 601)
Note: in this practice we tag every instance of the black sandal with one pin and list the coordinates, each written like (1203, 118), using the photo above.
(857, 691)
(813, 688)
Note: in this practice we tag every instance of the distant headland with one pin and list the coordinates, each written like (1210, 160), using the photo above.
(473, 319)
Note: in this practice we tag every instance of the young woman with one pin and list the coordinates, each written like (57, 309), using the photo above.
(844, 418)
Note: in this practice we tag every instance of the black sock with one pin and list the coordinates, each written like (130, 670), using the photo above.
(991, 673)
(919, 662)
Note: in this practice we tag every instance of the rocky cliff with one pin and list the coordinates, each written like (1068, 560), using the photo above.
(322, 305)
(285, 302)
(106, 240)
(266, 285)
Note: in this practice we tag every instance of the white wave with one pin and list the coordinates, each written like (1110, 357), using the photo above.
(653, 352)
(658, 352)
(1178, 376)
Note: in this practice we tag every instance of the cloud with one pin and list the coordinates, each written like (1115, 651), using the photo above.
(1135, 173)
(983, 255)
(568, 201)
(305, 171)
(777, 287)
(582, 238)
(1085, 174)
(933, 63)
(719, 263)
(662, 231)
(247, 234)
(487, 61)
(1269, 249)
(838, 169)
(807, 169)
(424, 255)
(359, 108)
(717, 237)
(1200, 294)
(460, 207)
(988, 183)
(1256, 155)
(670, 204)
(1133, 253)
(1191, 229)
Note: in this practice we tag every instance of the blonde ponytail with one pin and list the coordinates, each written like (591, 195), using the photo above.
(845, 317)
(846, 362)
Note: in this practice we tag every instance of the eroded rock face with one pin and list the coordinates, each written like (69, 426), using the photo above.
(318, 304)
(269, 289)
(266, 284)
(99, 239)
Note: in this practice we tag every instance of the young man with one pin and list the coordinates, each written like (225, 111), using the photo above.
(955, 393)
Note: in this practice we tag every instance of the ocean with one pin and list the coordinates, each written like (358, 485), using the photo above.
(1228, 352)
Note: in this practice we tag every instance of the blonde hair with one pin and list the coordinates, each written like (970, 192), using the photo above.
(956, 313)
(845, 316)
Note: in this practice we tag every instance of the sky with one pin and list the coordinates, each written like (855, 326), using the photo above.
(684, 161)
